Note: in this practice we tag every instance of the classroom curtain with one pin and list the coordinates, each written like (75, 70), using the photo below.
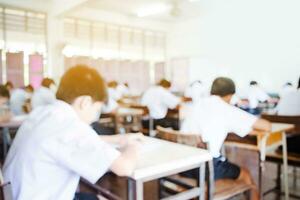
(15, 68)
(36, 70)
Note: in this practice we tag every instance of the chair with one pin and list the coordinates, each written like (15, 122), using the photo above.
(276, 156)
(219, 190)
(5, 189)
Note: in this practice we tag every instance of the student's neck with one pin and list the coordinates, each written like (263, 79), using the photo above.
(226, 99)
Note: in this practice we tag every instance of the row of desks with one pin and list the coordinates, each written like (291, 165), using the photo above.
(161, 158)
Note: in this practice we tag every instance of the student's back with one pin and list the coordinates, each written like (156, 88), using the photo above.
(214, 119)
(17, 100)
(41, 97)
(54, 134)
(158, 100)
(289, 103)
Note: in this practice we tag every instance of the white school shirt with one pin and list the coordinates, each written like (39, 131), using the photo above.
(42, 96)
(213, 119)
(256, 95)
(123, 90)
(159, 100)
(17, 101)
(196, 91)
(52, 150)
(289, 104)
(114, 94)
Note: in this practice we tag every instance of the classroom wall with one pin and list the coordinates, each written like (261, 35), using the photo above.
(242, 39)
(56, 41)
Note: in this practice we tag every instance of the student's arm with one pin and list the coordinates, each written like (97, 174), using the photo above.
(262, 125)
(6, 117)
(125, 164)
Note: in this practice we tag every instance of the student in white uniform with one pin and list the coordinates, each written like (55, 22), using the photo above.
(213, 118)
(123, 89)
(18, 99)
(289, 103)
(5, 114)
(286, 88)
(255, 95)
(56, 146)
(113, 92)
(196, 90)
(158, 100)
(45, 94)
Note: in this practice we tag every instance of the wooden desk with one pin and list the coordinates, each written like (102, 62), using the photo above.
(15, 122)
(264, 142)
(160, 158)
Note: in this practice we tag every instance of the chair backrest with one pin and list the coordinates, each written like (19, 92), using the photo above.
(295, 120)
(178, 137)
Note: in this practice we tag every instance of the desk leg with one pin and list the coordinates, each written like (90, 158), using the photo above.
(285, 167)
(135, 190)
(202, 181)
(260, 168)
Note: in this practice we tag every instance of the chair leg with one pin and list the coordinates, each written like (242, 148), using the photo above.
(278, 179)
(295, 177)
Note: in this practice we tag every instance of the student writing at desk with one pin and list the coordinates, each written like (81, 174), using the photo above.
(45, 94)
(213, 117)
(289, 103)
(158, 100)
(5, 114)
(56, 146)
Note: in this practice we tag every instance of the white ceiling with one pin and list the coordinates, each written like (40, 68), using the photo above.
(187, 9)
(129, 8)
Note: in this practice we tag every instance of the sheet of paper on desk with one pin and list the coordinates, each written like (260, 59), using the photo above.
(147, 146)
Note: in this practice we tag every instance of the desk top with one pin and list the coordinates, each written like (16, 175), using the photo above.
(276, 127)
(161, 158)
(129, 112)
(15, 122)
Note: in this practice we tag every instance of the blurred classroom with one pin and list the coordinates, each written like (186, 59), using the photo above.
(149, 99)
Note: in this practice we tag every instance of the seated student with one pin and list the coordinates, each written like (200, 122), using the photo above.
(286, 88)
(255, 95)
(112, 90)
(45, 94)
(18, 99)
(289, 105)
(158, 100)
(5, 114)
(123, 89)
(196, 90)
(27, 106)
(56, 146)
(9, 86)
(213, 117)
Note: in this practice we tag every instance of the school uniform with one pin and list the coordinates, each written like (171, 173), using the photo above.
(51, 151)
(42, 96)
(289, 104)
(286, 89)
(17, 100)
(123, 90)
(196, 91)
(256, 95)
(158, 100)
(114, 94)
(213, 119)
